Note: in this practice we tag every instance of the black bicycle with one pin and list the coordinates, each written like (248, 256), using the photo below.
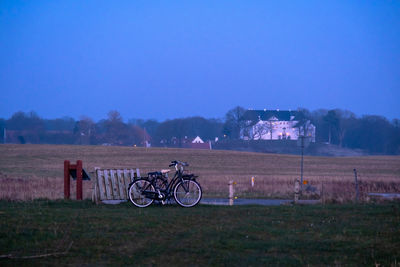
(183, 187)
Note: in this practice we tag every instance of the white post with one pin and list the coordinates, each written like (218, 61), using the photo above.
(230, 193)
(296, 190)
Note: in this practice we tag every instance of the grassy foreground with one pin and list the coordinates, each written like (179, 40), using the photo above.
(205, 235)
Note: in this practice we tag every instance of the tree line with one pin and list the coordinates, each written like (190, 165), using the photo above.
(372, 133)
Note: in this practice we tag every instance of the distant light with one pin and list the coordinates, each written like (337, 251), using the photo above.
(265, 109)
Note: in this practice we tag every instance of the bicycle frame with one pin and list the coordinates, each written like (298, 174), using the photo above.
(178, 177)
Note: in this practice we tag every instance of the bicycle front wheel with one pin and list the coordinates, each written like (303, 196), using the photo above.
(187, 193)
(140, 193)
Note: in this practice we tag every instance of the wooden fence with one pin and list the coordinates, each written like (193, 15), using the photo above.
(112, 184)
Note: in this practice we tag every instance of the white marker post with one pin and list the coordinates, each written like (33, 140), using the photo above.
(230, 193)
(296, 190)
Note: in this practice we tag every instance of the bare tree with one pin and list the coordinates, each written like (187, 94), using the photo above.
(305, 129)
(345, 120)
(260, 129)
(270, 127)
(332, 120)
(117, 131)
(304, 124)
(84, 130)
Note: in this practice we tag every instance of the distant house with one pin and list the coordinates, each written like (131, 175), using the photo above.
(197, 140)
(275, 125)
(198, 143)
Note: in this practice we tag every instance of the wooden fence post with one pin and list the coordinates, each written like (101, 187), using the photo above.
(79, 180)
(67, 192)
(322, 193)
(356, 181)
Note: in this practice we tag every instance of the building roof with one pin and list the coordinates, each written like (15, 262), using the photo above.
(197, 140)
(281, 115)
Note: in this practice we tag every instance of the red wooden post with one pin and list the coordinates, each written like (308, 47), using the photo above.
(79, 180)
(67, 192)
(67, 184)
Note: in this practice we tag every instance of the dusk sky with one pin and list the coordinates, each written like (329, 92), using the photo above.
(172, 59)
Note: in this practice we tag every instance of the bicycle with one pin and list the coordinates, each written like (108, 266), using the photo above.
(184, 188)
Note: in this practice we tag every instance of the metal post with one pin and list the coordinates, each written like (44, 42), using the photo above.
(302, 161)
(356, 180)
(79, 180)
(67, 192)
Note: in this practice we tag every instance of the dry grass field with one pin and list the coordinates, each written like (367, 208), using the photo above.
(36, 171)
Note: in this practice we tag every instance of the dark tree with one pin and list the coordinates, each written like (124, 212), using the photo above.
(234, 123)
(25, 121)
(394, 143)
(2, 127)
(62, 124)
(345, 120)
(371, 133)
(29, 126)
(332, 120)
(321, 128)
(304, 119)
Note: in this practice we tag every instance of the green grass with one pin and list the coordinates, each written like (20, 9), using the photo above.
(204, 235)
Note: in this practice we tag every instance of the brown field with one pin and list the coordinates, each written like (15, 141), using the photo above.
(36, 171)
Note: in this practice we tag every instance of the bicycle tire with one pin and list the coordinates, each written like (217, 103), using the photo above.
(136, 195)
(188, 193)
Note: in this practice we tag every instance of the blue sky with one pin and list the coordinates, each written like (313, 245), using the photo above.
(170, 59)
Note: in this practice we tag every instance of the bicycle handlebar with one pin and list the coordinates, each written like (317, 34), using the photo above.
(177, 162)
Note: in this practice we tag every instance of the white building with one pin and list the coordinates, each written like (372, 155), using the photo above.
(198, 140)
(275, 125)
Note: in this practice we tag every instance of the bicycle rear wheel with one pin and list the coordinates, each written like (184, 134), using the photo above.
(140, 192)
(187, 193)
